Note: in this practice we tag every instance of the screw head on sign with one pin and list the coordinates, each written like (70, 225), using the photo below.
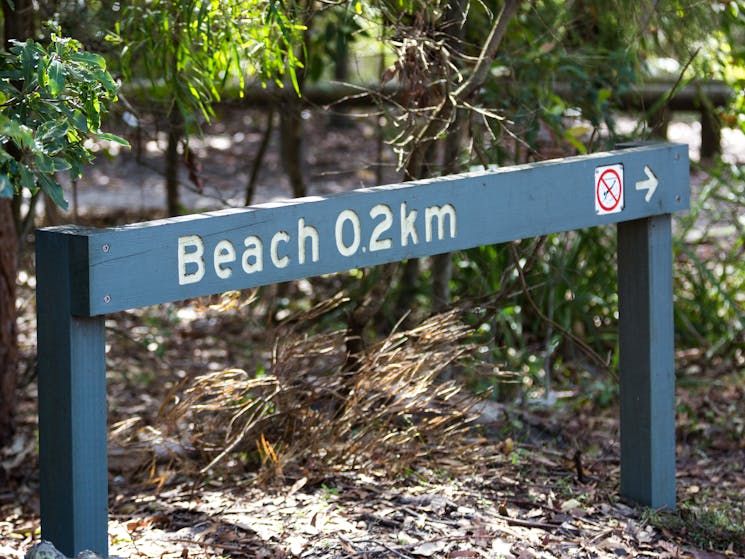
(107, 299)
(106, 247)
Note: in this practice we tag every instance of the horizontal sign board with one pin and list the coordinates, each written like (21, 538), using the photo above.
(197, 255)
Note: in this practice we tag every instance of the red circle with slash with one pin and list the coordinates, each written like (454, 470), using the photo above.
(609, 190)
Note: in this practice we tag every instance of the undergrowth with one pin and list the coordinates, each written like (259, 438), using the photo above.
(710, 525)
(309, 415)
(547, 309)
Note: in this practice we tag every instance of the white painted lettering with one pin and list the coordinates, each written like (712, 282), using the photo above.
(193, 256)
(224, 253)
(277, 260)
(408, 226)
(377, 222)
(353, 218)
(254, 250)
(304, 233)
(439, 213)
(376, 243)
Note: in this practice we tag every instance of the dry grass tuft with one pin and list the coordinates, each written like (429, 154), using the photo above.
(307, 416)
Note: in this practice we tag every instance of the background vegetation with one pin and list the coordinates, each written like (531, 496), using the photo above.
(449, 86)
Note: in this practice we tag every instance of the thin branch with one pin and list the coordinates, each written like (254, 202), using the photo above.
(576, 339)
(442, 115)
(674, 89)
(258, 160)
(488, 52)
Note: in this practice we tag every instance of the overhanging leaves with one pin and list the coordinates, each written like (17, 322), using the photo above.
(191, 49)
(53, 189)
(53, 99)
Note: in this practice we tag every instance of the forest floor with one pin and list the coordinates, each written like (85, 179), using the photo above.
(526, 479)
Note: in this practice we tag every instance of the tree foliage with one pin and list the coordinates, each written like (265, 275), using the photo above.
(191, 48)
(52, 98)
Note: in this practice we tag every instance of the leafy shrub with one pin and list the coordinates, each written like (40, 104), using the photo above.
(52, 100)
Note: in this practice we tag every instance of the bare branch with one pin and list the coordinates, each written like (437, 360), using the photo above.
(488, 52)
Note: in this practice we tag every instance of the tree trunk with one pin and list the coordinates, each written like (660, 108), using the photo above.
(419, 166)
(8, 338)
(442, 272)
(18, 23)
(175, 133)
(291, 145)
(409, 285)
(442, 265)
(258, 160)
(341, 74)
(367, 306)
(18, 20)
(291, 132)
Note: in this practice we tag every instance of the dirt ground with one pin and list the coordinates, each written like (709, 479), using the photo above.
(532, 482)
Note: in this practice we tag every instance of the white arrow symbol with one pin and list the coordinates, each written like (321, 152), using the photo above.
(649, 184)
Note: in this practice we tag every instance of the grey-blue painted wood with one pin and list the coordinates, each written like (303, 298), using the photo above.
(646, 361)
(198, 255)
(72, 403)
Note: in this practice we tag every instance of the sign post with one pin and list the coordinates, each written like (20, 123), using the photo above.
(646, 361)
(85, 273)
(72, 403)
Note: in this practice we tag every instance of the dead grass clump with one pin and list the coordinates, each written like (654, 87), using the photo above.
(307, 416)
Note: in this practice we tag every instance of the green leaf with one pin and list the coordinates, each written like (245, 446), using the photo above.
(113, 138)
(578, 131)
(51, 131)
(28, 61)
(93, 113)
(89, 59)
(56, 72)
(20, 134)
(50, 165)
(295, 84)
(44, 163)
(574, 134)
(105, 79)
(78, 120)
(53, 189)
(41, 74)
(604, 94)
(60, 164)
(26, 178)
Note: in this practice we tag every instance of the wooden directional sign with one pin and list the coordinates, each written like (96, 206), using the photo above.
(83, 274)
(179, 258)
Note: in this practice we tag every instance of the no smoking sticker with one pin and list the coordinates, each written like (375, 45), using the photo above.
(609, 189)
